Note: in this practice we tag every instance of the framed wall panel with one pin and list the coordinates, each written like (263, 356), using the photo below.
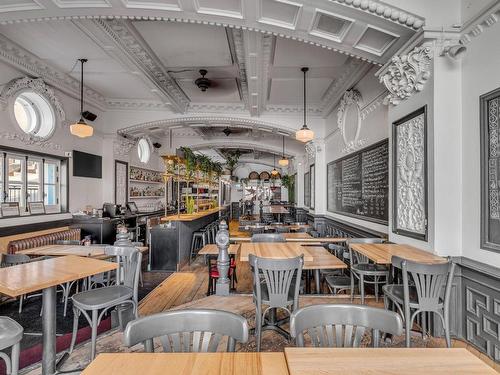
(409, 198)
(312, 184)
(307, 189)
(121, 182)
(489, 106)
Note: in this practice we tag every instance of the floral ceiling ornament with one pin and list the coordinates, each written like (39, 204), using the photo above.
(122, 145)
(350, 99)
(407, 74)
(311, 149)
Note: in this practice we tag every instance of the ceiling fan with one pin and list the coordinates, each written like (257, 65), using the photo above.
(203, 82)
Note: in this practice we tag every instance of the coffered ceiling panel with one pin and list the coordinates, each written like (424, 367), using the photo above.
(223, 90)
(281, 13)
(290, 53)
(227, 8)
(289, 91)
(17, 5)
(152, 4)
(181, 45)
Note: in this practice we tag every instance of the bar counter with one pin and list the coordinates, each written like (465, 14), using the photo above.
(191, 217)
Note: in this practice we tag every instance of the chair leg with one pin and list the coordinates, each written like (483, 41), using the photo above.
(258, 328)
(75, 329)
(209, 285)
(362, 288)
(424, 324)
(16, 348)
(94, 335)
(376, 289)
(21, 303)
(352, 287)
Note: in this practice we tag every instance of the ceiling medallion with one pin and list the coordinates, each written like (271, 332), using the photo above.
(407, 74)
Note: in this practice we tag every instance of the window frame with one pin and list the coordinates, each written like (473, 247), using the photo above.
(62, 184)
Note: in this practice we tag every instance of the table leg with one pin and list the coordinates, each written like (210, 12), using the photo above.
(308, 282)
(49, 331)
(317, 280)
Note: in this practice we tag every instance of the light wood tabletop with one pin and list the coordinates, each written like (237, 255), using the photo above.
(300, 235)
(382, 253)
(275, 250)
(94, 251)
(308, 240)
(188, 363)
(212, 249)
(34, 276)
(387, 361)
(322, 259)
(275, 209)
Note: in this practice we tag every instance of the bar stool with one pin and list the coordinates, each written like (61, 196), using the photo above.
(11, 334)
(199, 237)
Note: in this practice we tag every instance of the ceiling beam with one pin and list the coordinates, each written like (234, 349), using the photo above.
(128, 40)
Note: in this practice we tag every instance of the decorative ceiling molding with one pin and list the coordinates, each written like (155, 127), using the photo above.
(30, 140)
(355, 71)
(134, 104)
(239, 144)
(217, 107)
(26, 62)
(390, 18)
(290, 109)
(240, 60)
(122, 146)
(312, 148)
(132, 44)
(33, 84)
(215, 120)
(480, 23)
(407, 74)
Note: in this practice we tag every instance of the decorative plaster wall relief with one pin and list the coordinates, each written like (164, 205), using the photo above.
(407, 74)
(122, 146)
(410, 183)
(349, 120)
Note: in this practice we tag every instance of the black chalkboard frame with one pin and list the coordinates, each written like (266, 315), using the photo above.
(395, 229)
(486, 242)
(360, 152)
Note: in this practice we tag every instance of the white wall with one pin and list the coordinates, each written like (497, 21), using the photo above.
(480, 74)
(374, 128)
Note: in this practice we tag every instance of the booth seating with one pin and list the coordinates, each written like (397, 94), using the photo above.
(43, 240)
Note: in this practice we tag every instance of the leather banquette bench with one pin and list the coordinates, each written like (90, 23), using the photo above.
(43, 240)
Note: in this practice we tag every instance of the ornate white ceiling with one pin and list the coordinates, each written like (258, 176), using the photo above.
(253, 50)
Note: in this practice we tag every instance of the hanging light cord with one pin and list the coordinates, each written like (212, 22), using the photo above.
(304, 70)
(81, 86)
(283, 147)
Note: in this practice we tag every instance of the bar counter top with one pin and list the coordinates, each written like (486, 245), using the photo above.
(191, 217)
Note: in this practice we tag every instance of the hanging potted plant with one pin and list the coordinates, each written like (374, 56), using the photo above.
(288, 181)
(231, 162)
(190, 161)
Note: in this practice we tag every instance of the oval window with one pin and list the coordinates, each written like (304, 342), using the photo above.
(143, 150)
(34, 114)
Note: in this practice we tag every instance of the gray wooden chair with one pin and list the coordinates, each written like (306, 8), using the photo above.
(364, 271)
(188, 330)
(267, 237)
(276, 284)
(125, 292)
(430, 291)
(8, 260)
(11, 334)
(336, 325)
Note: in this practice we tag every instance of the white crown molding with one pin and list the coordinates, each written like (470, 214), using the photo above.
(239, 144)
(28, 5)
(290, 109)
(26, 62)
(217, 107)
(216, 120)
(30, 140)
(129, 41)
(407, 74)
(478, 24)
(135, 104)
(239, 51)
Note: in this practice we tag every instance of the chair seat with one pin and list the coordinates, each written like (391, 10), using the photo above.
(214, 272)
(102, 297)
(11, 332)
(369, 268)
(337, 282)
(396, 293)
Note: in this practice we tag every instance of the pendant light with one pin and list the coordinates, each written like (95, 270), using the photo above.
(304, 134)
(81, 129)
(283, 161)
(274, 172)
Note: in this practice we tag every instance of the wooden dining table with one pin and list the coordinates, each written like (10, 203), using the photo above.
(275, 250)
(387, 361)
(94, 251)
(45, 275)
(188, 363)
(212, 249)
(383, 253)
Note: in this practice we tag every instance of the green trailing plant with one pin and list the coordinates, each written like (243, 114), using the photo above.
(191, 161)
(217, 168)
(288, 181)
(190, 205)
(232, 160)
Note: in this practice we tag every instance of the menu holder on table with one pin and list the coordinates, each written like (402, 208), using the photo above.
(9, 209)
(36, 208)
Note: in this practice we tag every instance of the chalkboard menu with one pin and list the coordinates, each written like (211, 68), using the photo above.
(358, 184)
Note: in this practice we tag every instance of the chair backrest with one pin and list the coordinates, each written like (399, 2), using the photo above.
(129, 260)
(268, 237)
(336, 325)
(282, 229)
(337, 250)
(14, 259)
(188, 330)
(432, 283)
(257, 230)
(358, 257)
(68, 242)
(281, 278)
